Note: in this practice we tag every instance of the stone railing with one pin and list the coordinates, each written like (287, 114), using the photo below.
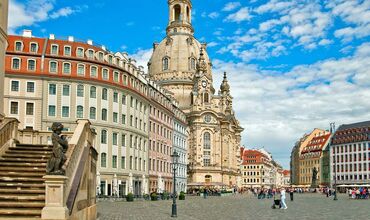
(73, 196)
(29, 136)
(8, 133)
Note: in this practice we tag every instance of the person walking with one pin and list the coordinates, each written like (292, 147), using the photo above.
(283, 197)
(291, 191)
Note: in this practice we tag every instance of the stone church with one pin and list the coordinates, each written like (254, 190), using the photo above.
(180, 64)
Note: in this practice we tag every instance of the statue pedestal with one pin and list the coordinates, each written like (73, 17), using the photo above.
(55, 204)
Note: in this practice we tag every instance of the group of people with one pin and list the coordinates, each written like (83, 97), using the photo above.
(358, 193)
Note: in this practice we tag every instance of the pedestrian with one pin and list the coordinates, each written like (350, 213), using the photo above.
(283, 197)
(291, 191)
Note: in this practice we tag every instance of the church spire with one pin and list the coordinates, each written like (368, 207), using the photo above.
(225, 87)
(179, 17)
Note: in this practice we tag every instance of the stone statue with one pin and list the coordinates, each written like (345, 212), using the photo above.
(60, 145)
(314, 177)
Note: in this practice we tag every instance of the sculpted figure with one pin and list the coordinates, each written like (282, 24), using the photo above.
(60, 145)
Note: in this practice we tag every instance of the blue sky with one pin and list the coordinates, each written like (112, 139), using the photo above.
(293, 65)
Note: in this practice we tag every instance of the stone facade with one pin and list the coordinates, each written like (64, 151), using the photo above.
(181, 65)
(3, 45)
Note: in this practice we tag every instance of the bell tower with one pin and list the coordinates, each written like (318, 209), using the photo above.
(179, 17)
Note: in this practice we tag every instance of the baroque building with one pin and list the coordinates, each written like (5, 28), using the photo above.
(3, 45)
(181, 65)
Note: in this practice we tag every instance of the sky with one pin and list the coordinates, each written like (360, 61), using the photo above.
(293, 65)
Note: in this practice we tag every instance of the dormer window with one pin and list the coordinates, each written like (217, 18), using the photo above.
(54, 49)
(90, 54)
(33, 47)
(67, 51)
(165, 63)
(80, 52)
(101, 56)
(18, 46)
(110, 58)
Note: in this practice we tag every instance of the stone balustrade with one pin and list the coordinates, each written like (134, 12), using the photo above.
(31, 136)
(8, 133)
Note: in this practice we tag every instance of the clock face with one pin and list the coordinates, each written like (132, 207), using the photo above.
(204, 84)
(207, 118)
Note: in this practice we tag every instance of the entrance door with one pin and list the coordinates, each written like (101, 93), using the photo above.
(109, 189)
(122, 189)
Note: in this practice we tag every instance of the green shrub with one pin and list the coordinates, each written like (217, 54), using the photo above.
(182, 196)
(130, 197)
(153, 197)
(165, 196)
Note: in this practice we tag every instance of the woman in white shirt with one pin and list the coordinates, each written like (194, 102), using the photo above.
(283, 197)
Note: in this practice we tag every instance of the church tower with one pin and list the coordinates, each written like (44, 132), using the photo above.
(181, 65)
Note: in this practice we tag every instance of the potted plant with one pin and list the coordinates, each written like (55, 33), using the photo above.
(130, 197)
(182, 195)
(153, 197)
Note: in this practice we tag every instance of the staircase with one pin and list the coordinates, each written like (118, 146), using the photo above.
(22, 188)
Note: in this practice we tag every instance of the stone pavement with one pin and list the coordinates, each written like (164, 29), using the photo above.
(305, 206)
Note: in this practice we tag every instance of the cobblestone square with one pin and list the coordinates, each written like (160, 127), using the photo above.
(304, 206)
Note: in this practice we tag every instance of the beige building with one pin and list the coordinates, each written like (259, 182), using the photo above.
(181, 65)
(3, 45)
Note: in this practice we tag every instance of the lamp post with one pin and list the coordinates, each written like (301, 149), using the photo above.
(332, 129)
(175, 157)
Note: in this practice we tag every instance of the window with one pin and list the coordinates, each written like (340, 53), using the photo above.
(165, 63)
(81, 69)
(116, 76)
(115, 97)
(123, 119)
(207, 149)
(93, 92)
(101, 56)
(15, 86)
(104, 95)
(90, 54)
(192, 63)
(92, 113)
(207, 141)
(51, 111)
(67, 68)
(103, 138)
(93, 71)
(67, 51)
(80, 112)
(206, 98)
(105, 74)
(54, 49)
(110, 58)
(123, 162)
(114, 161)
(31, 87)
(103, 160)
(52, 89)
(16, 63)
(115, 117)
(31, 65)
(80, 91)
(104, 114)
(130, 162)
(123, 99)
(132, 102)
(18, 46)
(115, 139)
(80, 52)
(14, 108)
(65, 111)
(123, 140)
(29, 108)
(33, 48)
(66, 89)
(53, 67)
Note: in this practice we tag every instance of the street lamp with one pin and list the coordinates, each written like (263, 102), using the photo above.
(332, 129)
(175, 159)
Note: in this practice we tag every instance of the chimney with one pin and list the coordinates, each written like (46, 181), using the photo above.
(89, 42)
(71, 39)
(52, 37)
(27, 33)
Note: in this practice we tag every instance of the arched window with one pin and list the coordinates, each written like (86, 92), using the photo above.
(81, 69)
(207, 141)
(103, 160)
(18, 46)
(67, 68)
(93, 71)
(105, 74)
(33, 47)
(16, 63)
(31, 65)
(92, 113)
(188, 14)
(206, 149)
(53, 67)
(80, 91)
(104, 114)
(206, 97)
(165, 63)
(93, 92)
(80, 112)
(208, 178)
(192, 63)
(104, 95)
(103, 138)
(177, 12)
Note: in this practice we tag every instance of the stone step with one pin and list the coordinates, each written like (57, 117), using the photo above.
(34, 145)
(22, 164)
(48, 149)
(23, 198)
(27, 152)
(16, 186)
(23, 191)
(22, 169)
(20, 174)
(19, 218)
(27, 156)
(20, 212)
(29, 160)
(21, 179)
(22, 204)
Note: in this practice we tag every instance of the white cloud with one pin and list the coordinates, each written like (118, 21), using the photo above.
(239, 16)
(231, 6)
(35, 11)
(212, 44)
(284, 105)
(142, 56)
(214, 15)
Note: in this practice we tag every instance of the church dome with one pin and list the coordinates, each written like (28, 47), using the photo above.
(175, 59)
